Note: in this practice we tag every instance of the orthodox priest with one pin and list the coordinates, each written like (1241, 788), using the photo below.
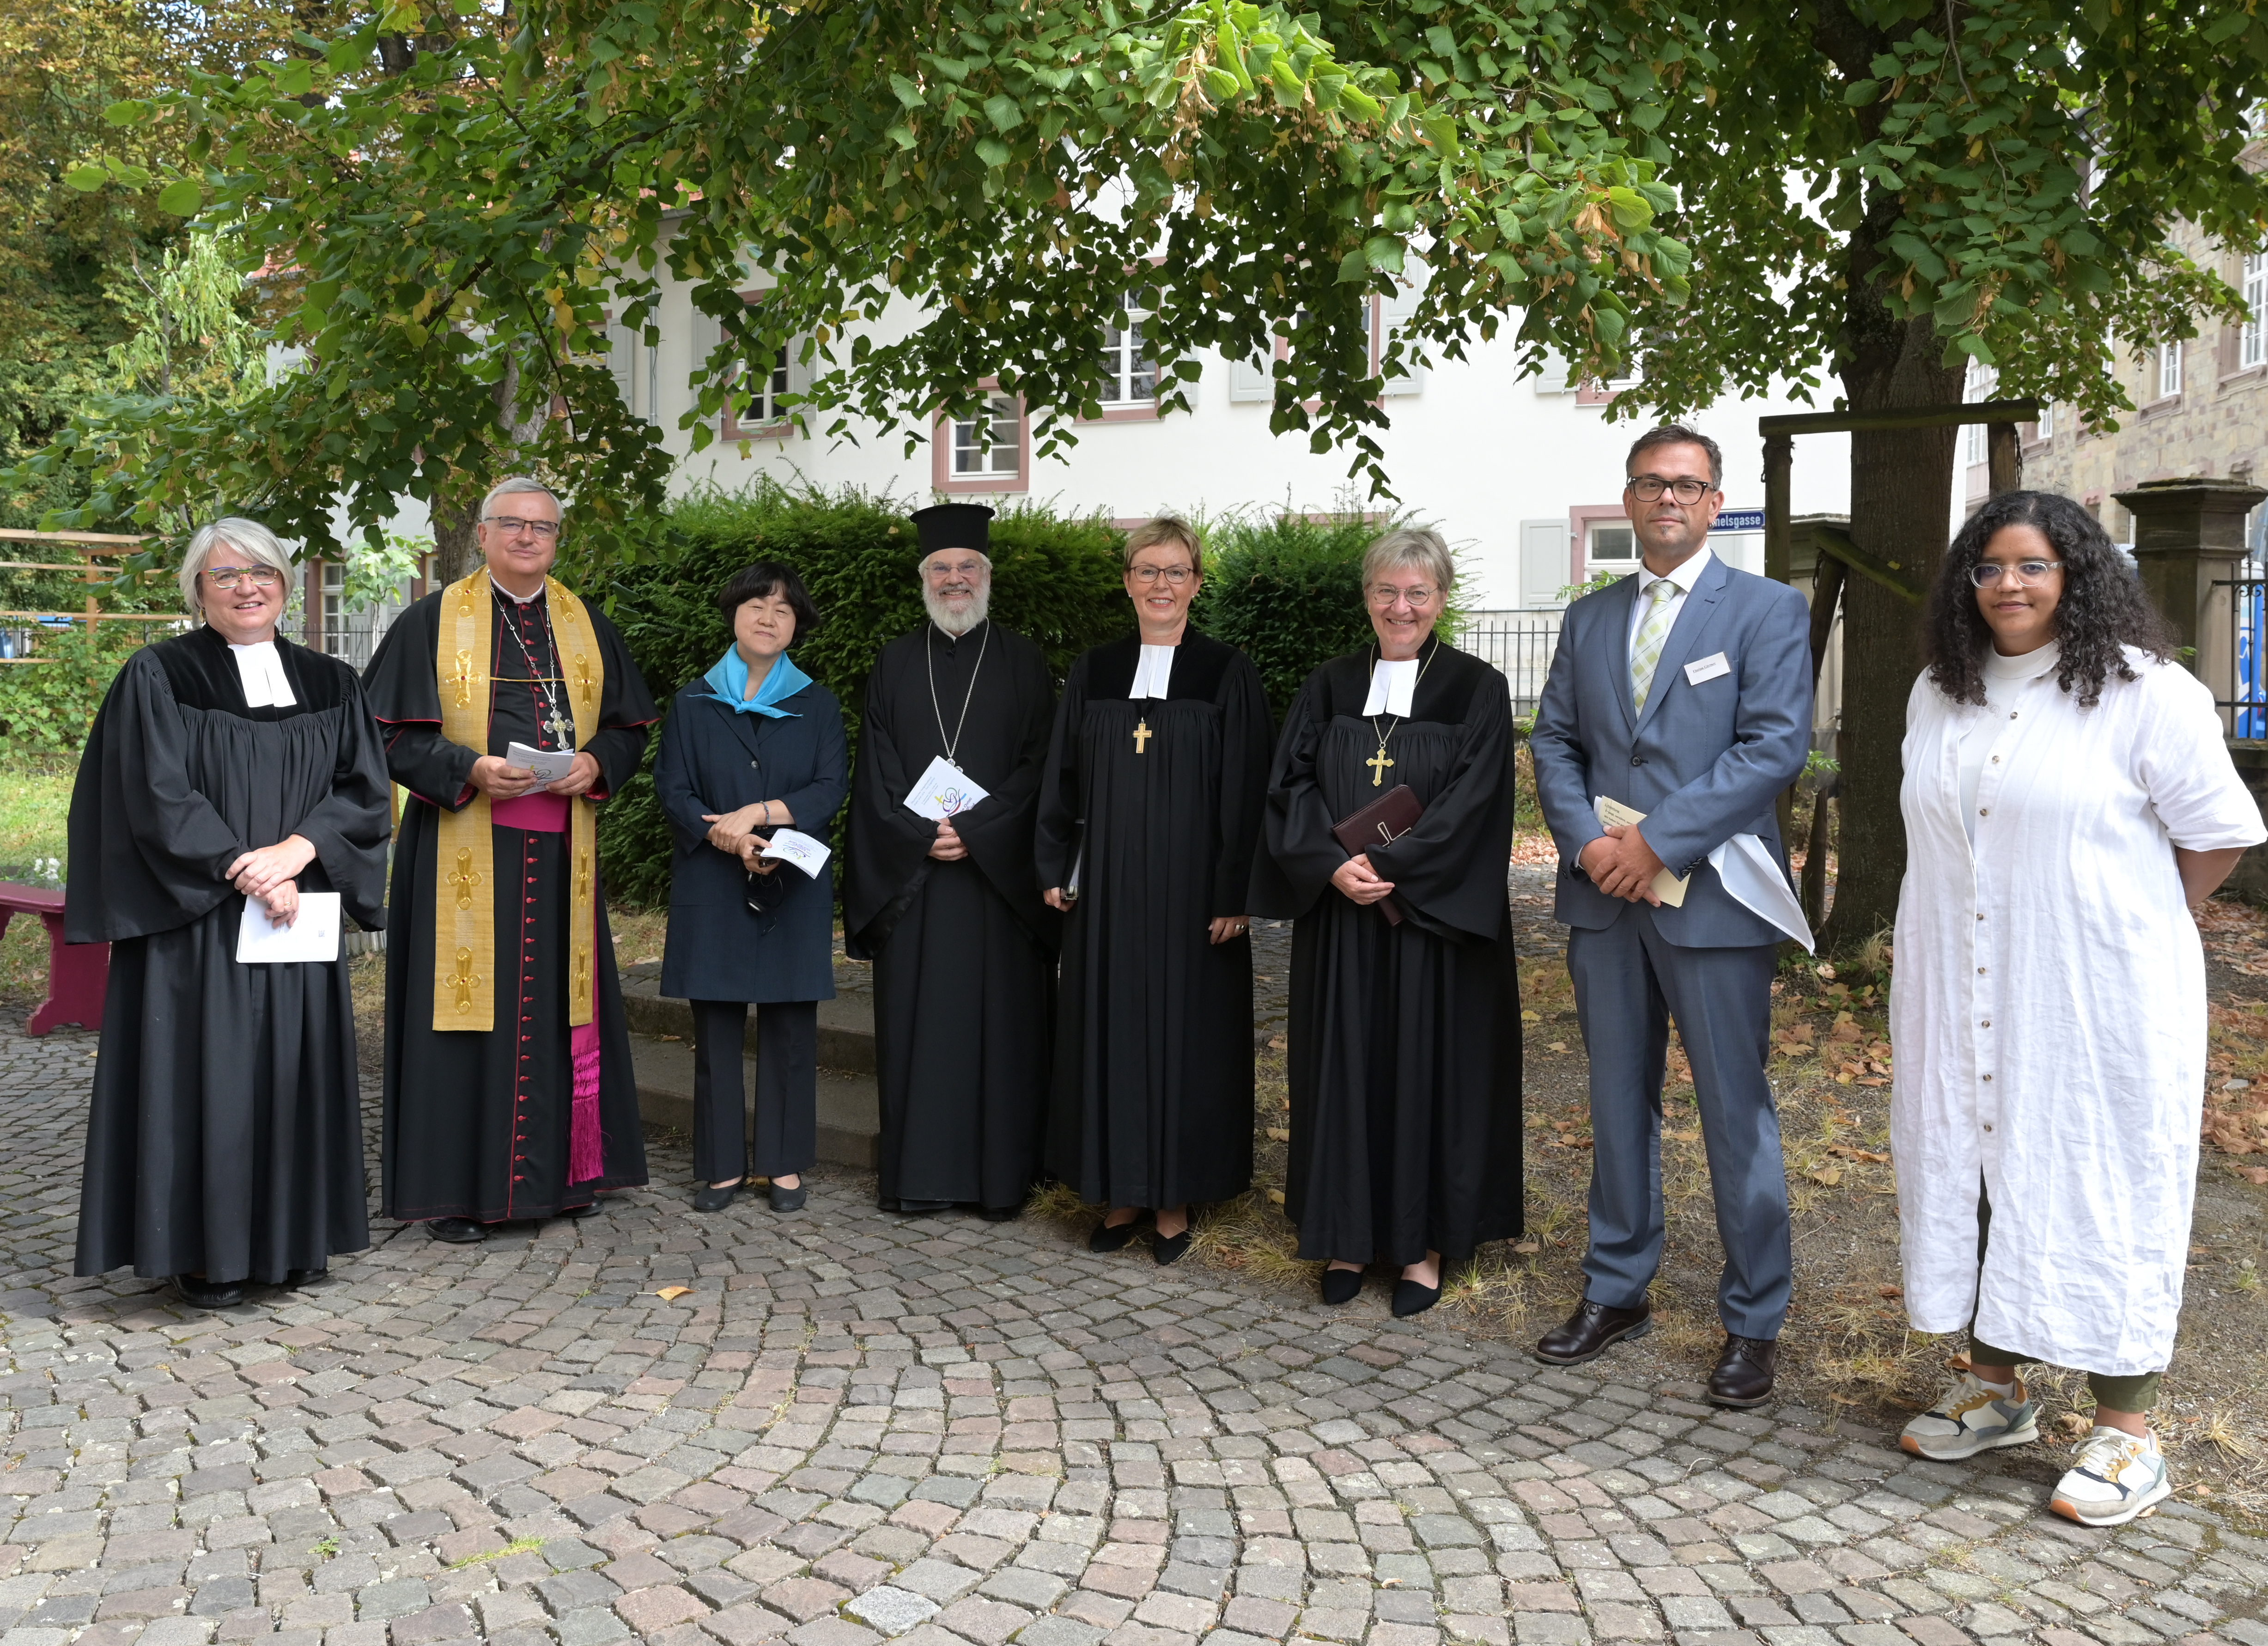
(946, 907)
(1149, 819)
(508, 1085)
(1406, 1025)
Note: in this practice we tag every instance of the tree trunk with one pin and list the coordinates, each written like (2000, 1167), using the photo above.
(456, 551)
(1901, 501)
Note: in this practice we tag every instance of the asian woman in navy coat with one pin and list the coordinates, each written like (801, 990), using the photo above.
(751, 746)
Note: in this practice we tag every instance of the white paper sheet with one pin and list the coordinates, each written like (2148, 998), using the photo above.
(791, 846)
(313, 936)
(549, 764)
(1744, 865)
(943, 790)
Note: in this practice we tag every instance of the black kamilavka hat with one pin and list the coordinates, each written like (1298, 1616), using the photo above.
(953, 526)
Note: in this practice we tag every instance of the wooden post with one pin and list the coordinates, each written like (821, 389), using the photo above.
(1780, 461)
(2003, 457)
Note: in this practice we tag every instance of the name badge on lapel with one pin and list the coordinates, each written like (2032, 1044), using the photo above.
(1706, 668)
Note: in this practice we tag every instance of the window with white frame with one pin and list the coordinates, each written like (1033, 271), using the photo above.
(1130, 376)
(335, 608)
(971, 459)
(2044, 428)
(2169, 370)
(1976, 385)
(2252, 341)
(1611, 543)
(763, 388)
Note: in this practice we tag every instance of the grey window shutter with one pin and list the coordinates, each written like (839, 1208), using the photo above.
(1557, 371)
(621, 349)
(1546, 567)
(1251, 379)
(1393, 312)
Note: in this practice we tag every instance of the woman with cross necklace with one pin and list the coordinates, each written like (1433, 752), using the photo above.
(1149, 820)
(1405, 1032)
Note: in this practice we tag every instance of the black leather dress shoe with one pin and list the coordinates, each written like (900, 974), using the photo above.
(1587, 1333)
(1168, 1248)
(1342, 1286)
(1410, 1298)
(294, 1279)
(999, 1213)
(1114, 1237)
(918, 1208)
(712, 1197)
(589, 1210)
(458, 1231)
(1744, 1371)
(789, 1199)
(202, 1294)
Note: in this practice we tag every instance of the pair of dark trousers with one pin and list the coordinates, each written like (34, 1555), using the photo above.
(2135, 1392)
(786, 1137)
(1629, 981)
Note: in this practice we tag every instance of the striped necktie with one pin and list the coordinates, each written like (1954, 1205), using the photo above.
(1645, 644)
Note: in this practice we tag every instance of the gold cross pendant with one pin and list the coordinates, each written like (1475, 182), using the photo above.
(1378, 762)
(1142, 736)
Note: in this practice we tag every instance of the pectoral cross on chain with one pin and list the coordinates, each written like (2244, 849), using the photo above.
(561, 728)
(1378, 762)
(1142, 736)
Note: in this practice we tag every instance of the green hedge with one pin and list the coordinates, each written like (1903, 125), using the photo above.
(47, 706)
(1056, 579)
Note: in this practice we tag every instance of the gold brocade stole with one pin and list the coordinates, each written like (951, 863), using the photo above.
(464, 890)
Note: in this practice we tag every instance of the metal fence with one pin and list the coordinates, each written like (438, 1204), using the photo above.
(1520, 644)
(2245, 708)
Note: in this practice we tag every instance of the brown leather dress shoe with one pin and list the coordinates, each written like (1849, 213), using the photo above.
(1587, 1333)
(1744, 1371)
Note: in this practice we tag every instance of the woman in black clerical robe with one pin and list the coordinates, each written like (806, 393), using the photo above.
(224, 1140)
(1149, 818)
(1405, 1039)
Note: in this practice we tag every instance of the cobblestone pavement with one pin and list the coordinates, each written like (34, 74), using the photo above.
(851, 1427)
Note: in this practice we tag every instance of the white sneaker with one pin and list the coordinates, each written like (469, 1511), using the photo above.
(1973, 1416)
(2117, 1477)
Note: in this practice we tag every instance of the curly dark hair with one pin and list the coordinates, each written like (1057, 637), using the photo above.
(2102, 606)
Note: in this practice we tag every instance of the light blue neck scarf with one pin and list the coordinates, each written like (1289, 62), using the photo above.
(729, 680)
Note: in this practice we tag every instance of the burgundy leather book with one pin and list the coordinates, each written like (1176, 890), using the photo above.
(1384, 821)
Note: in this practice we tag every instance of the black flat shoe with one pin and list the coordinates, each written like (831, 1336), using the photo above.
(201, 1294)
(294, 1279)
(1169, 1248)
(1114, 1237)
(789, 1199)
(458, 1231)
(1342, 1286)
(1588, 1332)
(713, 1197)
(999, 1213)
(1410, 1298)
(579, 1211)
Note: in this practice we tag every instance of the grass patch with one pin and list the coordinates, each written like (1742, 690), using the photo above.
(518, 1545)
(35, 809)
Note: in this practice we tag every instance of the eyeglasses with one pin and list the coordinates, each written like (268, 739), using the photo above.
(1175, 575)
(542, 531)
(1685, 489)
(1985, 573)
(1415, 596)
(229, 576)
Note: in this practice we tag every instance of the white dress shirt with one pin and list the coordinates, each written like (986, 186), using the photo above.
(266, 686)
(1153, 672)
(1681, 578)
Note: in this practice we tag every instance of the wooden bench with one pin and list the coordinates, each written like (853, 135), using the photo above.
(79, 974)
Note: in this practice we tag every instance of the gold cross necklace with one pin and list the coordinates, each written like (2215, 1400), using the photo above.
(1379, 761)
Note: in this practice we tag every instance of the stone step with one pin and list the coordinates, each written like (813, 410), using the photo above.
(846, 1023)
(849, 1105)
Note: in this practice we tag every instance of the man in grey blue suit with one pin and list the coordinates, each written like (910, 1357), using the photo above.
(1684, 693)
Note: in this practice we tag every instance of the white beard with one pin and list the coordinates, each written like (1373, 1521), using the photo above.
(957, 623)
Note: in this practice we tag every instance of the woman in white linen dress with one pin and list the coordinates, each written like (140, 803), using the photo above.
(2068, 798)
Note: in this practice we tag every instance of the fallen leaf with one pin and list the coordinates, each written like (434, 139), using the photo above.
(1275, 1196)
(1890, 1291)
(1275, 1042)
(1531, 1017)
(671, 1293)
(1829, 1175)
(1556, 1045)
(1844, 1078)
(1849, 1153)
(1686, 1136)
(2253, 1173)
(1279, 1133)
(1528, 1248)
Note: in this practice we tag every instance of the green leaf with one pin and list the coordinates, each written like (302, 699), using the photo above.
(128, 112)
(1004, 111)
(296, 78)
(1858, 93)
(993, 152)
(909, 94)
(87, 178)
(181, 197)
(1630, 208)
(1383, 251)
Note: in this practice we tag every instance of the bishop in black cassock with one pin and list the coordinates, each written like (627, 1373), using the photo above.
(529, 1115)
(224, 1139)
(1405, 1040)
(949, 910)
(1151, 808)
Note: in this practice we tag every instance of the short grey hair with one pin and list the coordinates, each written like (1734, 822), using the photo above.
(516, 485)
(245, 537)
(1411, 546)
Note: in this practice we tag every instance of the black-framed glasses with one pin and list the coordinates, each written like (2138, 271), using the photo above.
(542, 531)
(228, 577)
(1985, 573)
(1685, 489)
